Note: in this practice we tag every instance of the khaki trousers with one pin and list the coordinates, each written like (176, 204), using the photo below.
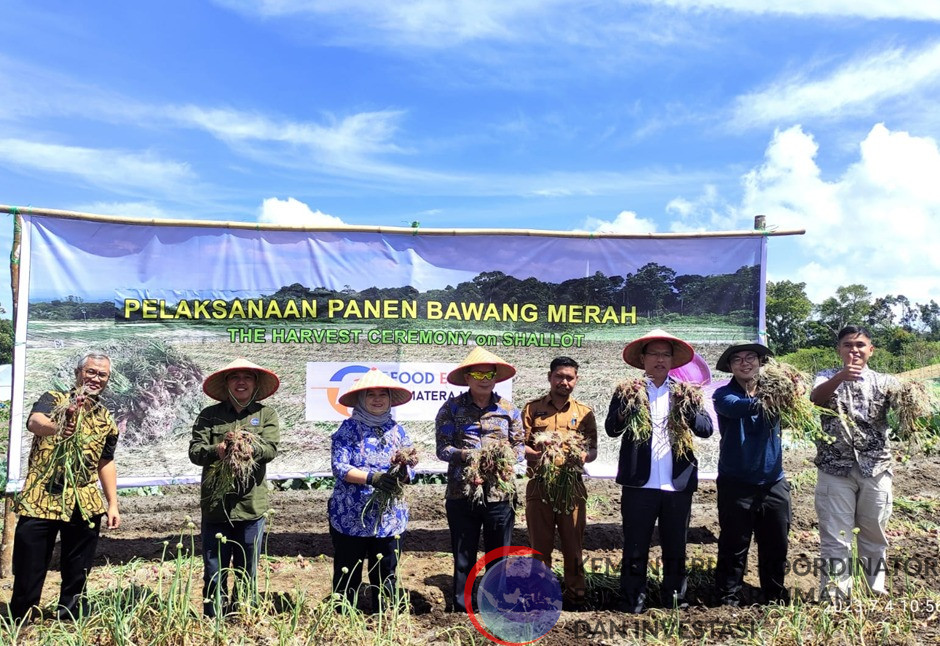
(844, 503)
(542, 520)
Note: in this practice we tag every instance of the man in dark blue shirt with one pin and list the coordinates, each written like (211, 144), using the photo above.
(753, 495)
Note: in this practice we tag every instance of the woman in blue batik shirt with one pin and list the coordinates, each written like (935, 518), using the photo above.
(362, 450)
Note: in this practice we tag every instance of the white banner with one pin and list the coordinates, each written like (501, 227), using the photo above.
(328, 380)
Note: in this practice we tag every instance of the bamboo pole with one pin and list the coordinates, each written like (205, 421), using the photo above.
(9, 517)
(415, 229)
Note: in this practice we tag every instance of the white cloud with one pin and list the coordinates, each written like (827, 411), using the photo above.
(114, 169)
(141, 210)
(625, 222)
(857, 88)
(708, 212)
(423, 23)
(876, 224)
(871, 9)
(293, 212)
(436, 24)
(364, 147)
(349, 144)
(350, 137)
(821, 281)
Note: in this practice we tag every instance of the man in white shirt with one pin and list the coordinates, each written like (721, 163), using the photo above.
(657, 468)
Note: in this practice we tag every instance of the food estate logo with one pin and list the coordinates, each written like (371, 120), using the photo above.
(333, 391)
(328, 380)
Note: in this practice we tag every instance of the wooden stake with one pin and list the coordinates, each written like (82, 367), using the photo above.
(9, 518)
(9, 530)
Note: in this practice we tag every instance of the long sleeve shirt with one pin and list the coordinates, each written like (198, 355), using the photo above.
(660, 445)
(356, 445)
(461, 424)
(241, 503)
(635, 464)
(751, 449)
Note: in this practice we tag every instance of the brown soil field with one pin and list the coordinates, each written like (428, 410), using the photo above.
(299, 550)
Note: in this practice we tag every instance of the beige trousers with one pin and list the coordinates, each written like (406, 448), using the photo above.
(844, 504)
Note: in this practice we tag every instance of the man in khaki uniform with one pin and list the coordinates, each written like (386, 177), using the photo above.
(558, 411)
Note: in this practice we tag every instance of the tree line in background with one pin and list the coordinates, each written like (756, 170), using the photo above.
(906, 334)
(654, 290)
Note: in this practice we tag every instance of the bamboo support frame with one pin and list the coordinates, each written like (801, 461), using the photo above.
(415, 230)
(9, 517)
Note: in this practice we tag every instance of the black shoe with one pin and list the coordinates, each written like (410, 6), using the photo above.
(633, 604)
(731, 601)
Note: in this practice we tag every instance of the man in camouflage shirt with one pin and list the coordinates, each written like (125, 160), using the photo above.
(60, 495)
(853, 488)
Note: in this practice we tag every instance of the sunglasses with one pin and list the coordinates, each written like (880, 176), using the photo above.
(480, 376)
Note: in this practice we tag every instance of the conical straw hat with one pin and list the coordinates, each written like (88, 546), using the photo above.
(480, 357)
(375, 378)
(682, 352)
(267, 382)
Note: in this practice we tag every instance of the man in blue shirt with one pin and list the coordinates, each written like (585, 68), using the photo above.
(753, 495)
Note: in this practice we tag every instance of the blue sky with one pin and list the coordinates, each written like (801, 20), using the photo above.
(633, 116)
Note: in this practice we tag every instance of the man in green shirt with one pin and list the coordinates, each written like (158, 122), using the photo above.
(237, 435)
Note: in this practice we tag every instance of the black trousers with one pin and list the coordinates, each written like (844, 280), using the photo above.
(351, 552)
(761, 510)
(465, 520)
(640, 510)
(32, 551)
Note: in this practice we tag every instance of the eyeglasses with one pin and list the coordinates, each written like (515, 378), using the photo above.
(91, 373)
(480, 376)
(750, 358)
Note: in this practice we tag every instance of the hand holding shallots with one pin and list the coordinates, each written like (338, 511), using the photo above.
(917, 412)
(781, 390)
(235, 468)
(559, 467)
(491, 468)
(384, 497)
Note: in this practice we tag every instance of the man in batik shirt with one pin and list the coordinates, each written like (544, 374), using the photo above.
(60, 496)
(853, 487)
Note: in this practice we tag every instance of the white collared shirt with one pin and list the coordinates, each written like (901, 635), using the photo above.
(661, 461)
